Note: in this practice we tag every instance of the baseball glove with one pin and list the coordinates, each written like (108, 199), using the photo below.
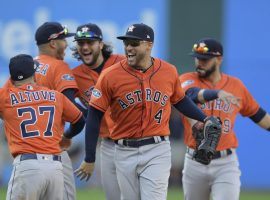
(211, 134)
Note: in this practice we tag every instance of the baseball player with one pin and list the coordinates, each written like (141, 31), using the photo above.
(34, 119)
(55, 74)
(140, 95)
(223, 96)
(96, 56)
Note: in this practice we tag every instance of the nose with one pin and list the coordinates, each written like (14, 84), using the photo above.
(84, 45)
(128, 47)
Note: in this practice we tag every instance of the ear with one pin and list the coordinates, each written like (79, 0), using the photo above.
(52, 44)
(220, 59)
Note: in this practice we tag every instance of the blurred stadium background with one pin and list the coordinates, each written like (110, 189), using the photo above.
(242, 26)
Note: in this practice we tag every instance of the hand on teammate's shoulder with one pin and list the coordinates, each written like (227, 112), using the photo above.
(229, 98)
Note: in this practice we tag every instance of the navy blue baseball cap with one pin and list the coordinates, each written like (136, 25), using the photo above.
(88, 32)
(22, 66)
(51, 31)
(207, 48)
(138, 32)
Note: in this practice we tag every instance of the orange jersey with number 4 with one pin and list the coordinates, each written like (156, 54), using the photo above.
(226, 112)
(140, 102)
(86, 79)
(34, 118)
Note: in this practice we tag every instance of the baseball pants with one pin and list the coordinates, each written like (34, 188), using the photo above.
(220, 179)
(69, 192)
(33, 179)
(108, 170)
(143, 172)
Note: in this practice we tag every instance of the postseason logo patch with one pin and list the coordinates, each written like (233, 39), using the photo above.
(96, 93)
(68, 77)
(186, 83)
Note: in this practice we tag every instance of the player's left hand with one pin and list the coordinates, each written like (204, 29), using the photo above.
(229, 98)
(85, 170)
(65, 143)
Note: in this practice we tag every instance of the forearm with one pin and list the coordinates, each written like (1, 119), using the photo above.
(198, 95)
(265, 122)
(70, 94)
(91, 133)
(190, 109)
(75, 129)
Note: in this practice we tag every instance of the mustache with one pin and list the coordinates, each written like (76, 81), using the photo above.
(198, 68)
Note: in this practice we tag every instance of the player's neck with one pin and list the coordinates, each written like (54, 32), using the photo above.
(145, 65)
(215, 77)
(29, 80)
(46, 52)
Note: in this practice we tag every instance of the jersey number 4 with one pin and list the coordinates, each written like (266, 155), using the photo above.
(32, 120)
(158, 116)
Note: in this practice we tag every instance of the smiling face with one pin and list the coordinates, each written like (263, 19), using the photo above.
(90, 52)
(137, 52)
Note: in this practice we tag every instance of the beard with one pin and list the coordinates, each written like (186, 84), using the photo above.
(206, 73)
(60, 54)
(91, 62)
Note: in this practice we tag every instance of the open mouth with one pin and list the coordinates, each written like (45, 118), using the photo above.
(131, 55)
(87, 54)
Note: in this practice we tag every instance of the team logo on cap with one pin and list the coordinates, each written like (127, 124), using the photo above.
(68, 77)
(96, 93)
(85, 29)
(131, 28)
(20, 77)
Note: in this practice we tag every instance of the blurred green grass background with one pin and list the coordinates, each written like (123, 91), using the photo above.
(173, 194)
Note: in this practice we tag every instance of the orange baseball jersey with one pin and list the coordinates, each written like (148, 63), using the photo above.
(140, 102)
(54, 74)
(86, 79)
(34, 118)
(226, 112)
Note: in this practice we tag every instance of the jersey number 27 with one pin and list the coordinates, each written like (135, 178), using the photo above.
(32, 120)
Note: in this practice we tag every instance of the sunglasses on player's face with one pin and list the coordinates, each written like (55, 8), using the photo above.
(133, 43)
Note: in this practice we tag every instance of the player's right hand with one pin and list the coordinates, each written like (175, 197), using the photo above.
(229, 98)
(65, 143)
(85, 170)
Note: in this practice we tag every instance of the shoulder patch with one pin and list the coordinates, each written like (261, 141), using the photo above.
(68, 77)
(187, 83)
(96, 93)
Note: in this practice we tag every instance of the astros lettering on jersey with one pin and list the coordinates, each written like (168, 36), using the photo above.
(226, 112)
(138, 109)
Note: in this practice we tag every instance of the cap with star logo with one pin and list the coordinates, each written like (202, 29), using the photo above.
(88, 32)
(138, 32)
